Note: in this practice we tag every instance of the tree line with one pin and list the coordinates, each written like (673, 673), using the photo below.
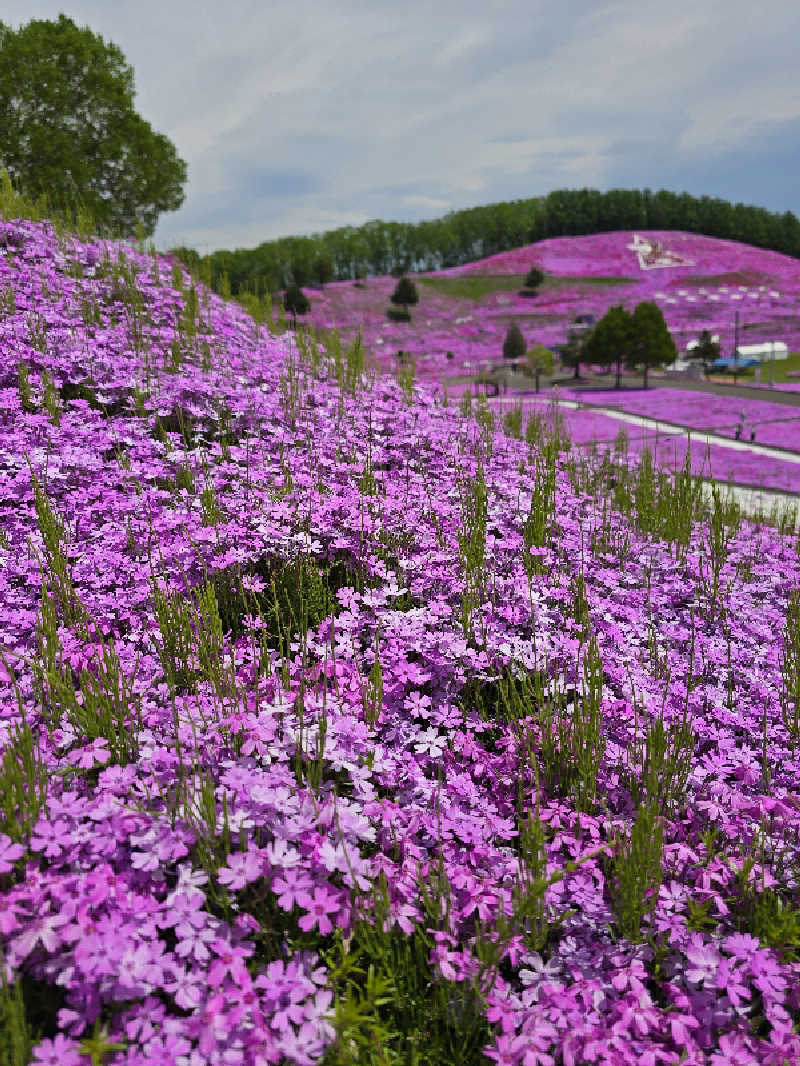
(397, 248)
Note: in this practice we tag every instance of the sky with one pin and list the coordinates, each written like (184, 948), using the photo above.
(300, 116)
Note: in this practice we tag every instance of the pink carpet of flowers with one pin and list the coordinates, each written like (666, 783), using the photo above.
(776, 425)
(106, 901)
(721, 278)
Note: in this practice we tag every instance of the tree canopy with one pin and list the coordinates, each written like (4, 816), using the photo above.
(68, 129)
(640, 339)
(381, 248)
(706, 351)
(571, 353)
(295, 301)
(405, 293)
(651, 341)
(534, 278)
(514, 345)
(610, 342)
(539, 361)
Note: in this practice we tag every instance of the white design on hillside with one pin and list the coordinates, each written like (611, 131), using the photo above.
(653, 254)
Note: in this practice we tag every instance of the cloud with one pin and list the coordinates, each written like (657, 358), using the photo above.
(302, 115)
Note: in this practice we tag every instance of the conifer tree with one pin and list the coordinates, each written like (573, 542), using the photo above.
(514, 346)
(706, 351)
(405, 293)
(296, 301)
(533, 278)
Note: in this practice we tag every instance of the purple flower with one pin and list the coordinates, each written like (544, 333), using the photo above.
(185, 989)
(9, 853)
(766, 975)
(741, 945)
(704, 960)
(734, 1050)
(418, 704)
(229, 961)
(319, 906)
(51, 837)
(430, 743)
(98, 956)
(242, 868)
(290, 886)
(57, 1052)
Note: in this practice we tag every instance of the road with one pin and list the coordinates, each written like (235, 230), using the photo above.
(753, 501)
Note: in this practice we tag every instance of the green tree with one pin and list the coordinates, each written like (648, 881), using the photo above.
(323, 268)
(572, 352)
(609, 343)
(706, 351)
(514, 346)
(296, 301)
(534, 278)
(405, 293)
(539, 361)
(651, 342)
(68, 129)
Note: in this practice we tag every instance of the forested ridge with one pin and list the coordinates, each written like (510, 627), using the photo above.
(380, 248)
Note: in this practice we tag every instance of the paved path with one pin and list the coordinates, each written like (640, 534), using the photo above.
(753, 501)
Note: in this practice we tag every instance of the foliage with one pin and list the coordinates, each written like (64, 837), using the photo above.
(651, 344)
(610, 342)
(705, 351)
(323, 268)
(379, 248)
(68, 129)
(514, 345)
(295, 301)
(405, 293)
(534, 278)
(539, 360)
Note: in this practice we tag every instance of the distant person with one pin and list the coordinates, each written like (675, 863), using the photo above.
(753, 433)
(739, 431)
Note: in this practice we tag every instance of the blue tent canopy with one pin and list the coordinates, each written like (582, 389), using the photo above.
(728, 361)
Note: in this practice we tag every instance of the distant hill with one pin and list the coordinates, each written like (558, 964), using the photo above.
(461, 237)
(466, 310)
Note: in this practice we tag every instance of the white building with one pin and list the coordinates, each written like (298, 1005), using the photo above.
(763, 352)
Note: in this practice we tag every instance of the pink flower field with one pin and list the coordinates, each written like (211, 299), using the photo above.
(775, 424)
(340, 725)
(717, 279)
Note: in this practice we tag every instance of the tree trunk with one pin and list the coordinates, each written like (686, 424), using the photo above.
(646, 368)
(537, 372)
(619, 373)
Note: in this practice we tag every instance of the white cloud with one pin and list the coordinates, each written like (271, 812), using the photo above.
(303, 115)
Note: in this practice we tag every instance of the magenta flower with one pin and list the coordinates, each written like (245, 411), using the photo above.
(229, 962)
(60, 1051)
(187, 991)
(319, 907)
(9, 853)
(289, 886)
(242, 868)
(51, 837)
(704, 960)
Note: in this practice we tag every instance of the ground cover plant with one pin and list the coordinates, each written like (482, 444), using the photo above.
(668, 446)
(339, 725)
(774, 423)
(466, 310)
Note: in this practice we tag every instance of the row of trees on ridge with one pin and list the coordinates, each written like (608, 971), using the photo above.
(379, 248)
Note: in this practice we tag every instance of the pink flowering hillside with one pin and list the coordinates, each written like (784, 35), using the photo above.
(698, 283)
(339, 726)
